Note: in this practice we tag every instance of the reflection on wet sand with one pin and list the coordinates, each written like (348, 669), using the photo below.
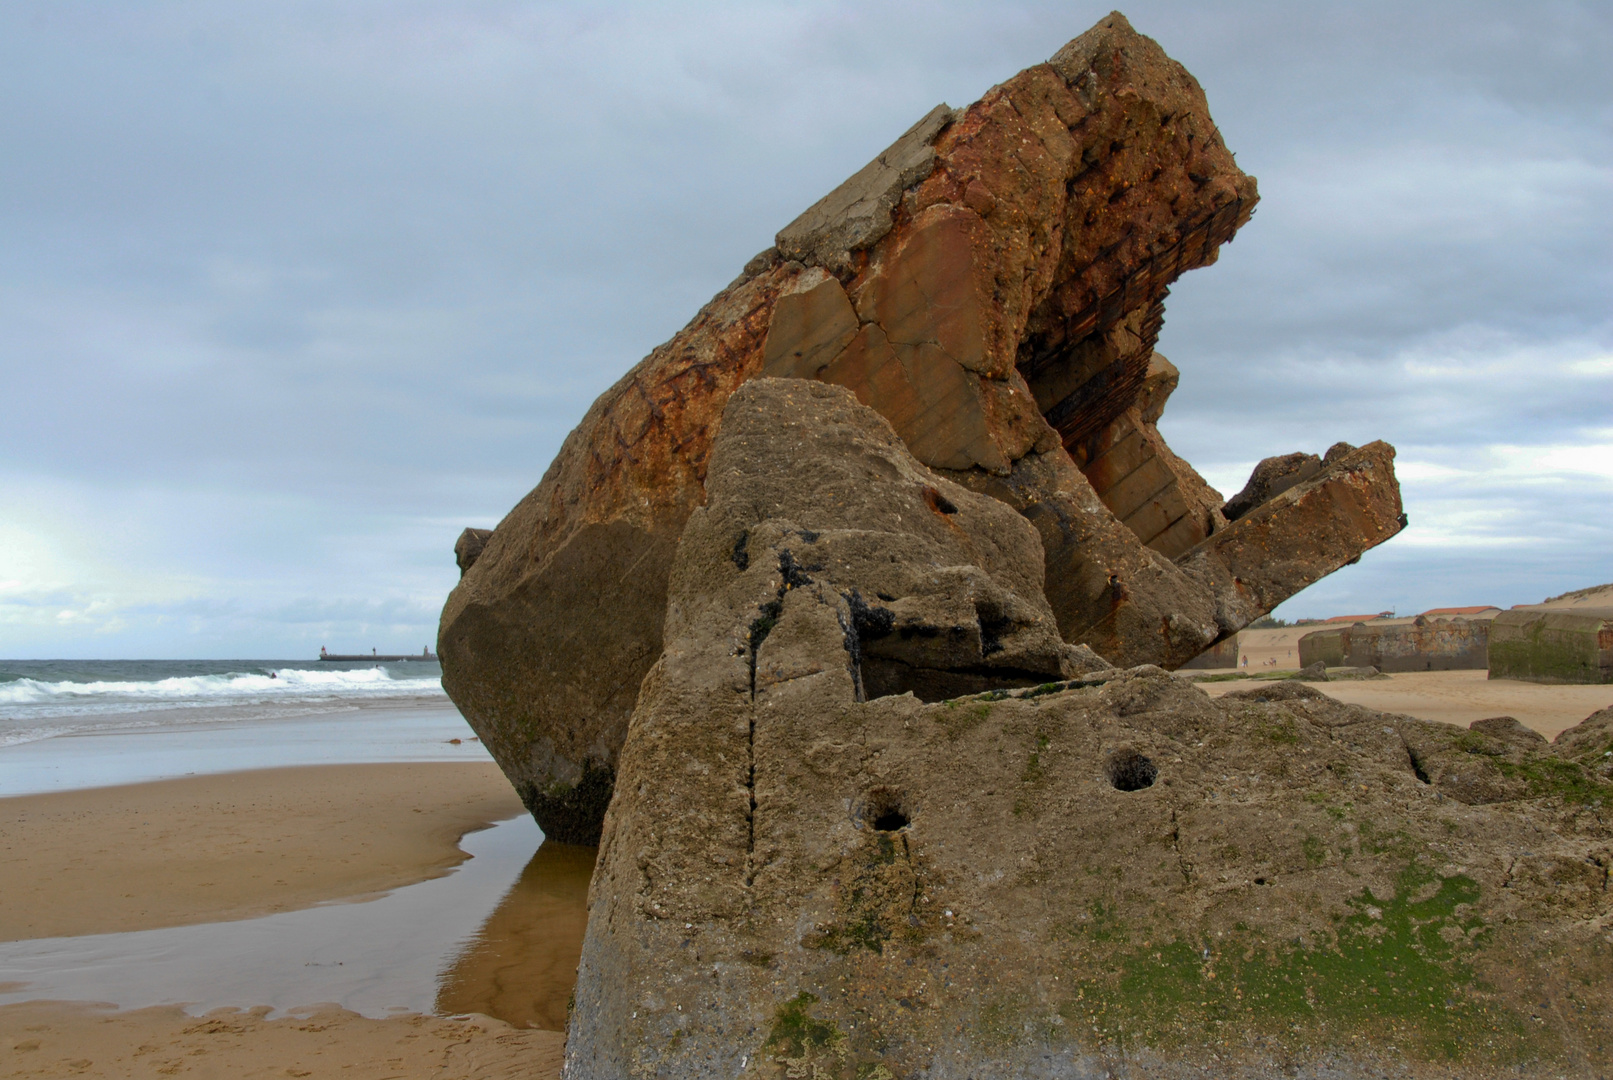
(521, 966)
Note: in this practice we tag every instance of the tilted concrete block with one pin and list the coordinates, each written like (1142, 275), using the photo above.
(992, 285)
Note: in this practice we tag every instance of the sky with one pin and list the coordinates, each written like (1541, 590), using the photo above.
(293, 292)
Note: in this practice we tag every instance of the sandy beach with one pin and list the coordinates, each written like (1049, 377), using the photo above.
(236, 846)
(1272, 650)
(1461, 697)
(59, 1039)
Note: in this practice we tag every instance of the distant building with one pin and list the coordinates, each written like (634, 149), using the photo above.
(1444, 639)
(1566, 639)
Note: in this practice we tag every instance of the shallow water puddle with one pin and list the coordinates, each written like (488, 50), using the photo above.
(468, 941)
(522, 964)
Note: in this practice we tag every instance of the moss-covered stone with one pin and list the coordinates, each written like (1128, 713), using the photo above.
(1396, 968)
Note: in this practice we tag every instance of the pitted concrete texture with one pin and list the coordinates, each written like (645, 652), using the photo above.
(810, 872)
(468, 548)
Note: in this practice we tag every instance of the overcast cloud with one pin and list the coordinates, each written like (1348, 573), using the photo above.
(292, 292)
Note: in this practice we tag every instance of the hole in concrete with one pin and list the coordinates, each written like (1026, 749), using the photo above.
(1131, 771)
(938, 502)
(890, 821)
(884, 810)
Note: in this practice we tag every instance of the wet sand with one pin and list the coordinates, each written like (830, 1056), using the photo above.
(234, 845)
(237, 846)
(1461, 697)
(61, 1039)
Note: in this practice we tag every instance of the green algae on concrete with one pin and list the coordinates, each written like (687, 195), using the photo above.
(809, 1047)
(875, 898)
(797, 1033)
(1398, 969)
(1565, 780)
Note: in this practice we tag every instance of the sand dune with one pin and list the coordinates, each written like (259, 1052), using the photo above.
(1272, 650)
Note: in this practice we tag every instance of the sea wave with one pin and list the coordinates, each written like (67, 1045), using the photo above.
(279, 684)
(18, 736)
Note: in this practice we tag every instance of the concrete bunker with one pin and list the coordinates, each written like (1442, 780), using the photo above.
(1445, 639)
(1562, 646)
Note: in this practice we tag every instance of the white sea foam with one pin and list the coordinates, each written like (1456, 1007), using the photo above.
(68, 723)
(215, 689)
(16, 736)
(33, 709)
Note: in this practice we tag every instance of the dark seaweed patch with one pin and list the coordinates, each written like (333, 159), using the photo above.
(793, 573)
(571, 813)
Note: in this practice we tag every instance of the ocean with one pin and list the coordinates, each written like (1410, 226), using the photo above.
(68, 724)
